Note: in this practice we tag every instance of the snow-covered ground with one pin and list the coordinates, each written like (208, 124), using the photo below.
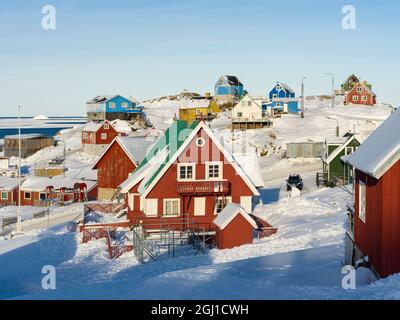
(303, 260)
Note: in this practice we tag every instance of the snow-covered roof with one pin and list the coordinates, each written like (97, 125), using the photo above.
(92, 126)
(8, 184)
(286, 87)
(229, 213)
(251, 166)
(105, 98)
(41, 183)
(26, 136)
(339, 149)
(381, 150)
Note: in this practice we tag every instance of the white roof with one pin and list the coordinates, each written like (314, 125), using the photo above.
(8, 184)
(381, 150)
(229, 213)
(251, 167)
(136, 147)
(286, 87)
(92, 126)
(41, 183)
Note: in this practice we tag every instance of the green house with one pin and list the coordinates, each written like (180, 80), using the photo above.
(335, 170)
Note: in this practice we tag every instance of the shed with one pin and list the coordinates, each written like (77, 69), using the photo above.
(235, 227)
(30, 144)
(306, 149)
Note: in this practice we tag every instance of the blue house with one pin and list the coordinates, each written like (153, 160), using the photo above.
(229, 87)
(112, 107)
(282, 99)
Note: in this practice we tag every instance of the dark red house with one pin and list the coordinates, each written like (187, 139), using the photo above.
(97, 136)
(117, 162)
(8, 191)
(187, 177)
(361, 93)
(375, 216)
(234, 227)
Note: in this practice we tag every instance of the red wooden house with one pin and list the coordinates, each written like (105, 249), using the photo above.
(375, 216)
(117, 162)
(361, 93)
(97, 136)
(40, 191)
(8, 191)
(187, 177)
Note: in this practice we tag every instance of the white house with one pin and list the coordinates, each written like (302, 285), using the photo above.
(250, 110)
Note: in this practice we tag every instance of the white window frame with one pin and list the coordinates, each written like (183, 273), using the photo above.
(84, 135)
(199, 202)
(355, 98)
(359, 89)
(362, 200)
(40, 196)
(200, 142)
(30, 195)
(278, 88)
(106, 126)
(6, 193)
(112, 105)
(346, 150)
(227, 201)
(364, 98)
(274, 96)
(103, 136)
(220, 173)
(178, 200)
(125, 104)
(193, 165)
(240, 114)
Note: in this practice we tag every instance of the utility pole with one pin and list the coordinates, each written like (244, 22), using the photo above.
(19, 228)
(333, 87)
(302, 97)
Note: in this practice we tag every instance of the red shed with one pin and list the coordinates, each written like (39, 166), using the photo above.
(235, 227)
(97, 136)
(375, 223)
(360, 94)
(117, 162)
(8, 191)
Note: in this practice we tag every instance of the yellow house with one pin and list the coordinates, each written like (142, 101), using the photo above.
(197, 109)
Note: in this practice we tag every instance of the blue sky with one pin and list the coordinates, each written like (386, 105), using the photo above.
(151, 48)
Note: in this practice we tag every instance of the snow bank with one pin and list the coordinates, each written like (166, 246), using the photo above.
(41, 117)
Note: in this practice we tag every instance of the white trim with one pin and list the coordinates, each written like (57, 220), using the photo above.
(198, 142)
(226, 154)
(220, 170)
(164, 207)
(340, 148)
(199, 206)
(239, 210)
(131, 201)
(362, 200)
(103, 136)
(30, 195)
(184, 164)
(106, 125)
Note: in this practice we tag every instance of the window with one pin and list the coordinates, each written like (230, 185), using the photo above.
(124, 104)
(200, 142)
(200, 206)
(112, 104)
(106, 126)
(278, 88)
(364, 98)
(186, 171)
(355, 98)
(274, 96)
(42, 196)
(171, 207)
(85, 135)
(214, 170)
(27, 195)
(104, 136)
(4, 195)
(249, 103)
(243, 103)
(198, 111)
(349, 150)
(221, 203)
(359, 89)
(240, 114)
(362, 193)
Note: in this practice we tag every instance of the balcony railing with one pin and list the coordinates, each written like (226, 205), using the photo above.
(203, 187)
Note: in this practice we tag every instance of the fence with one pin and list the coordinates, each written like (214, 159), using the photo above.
(7, 221)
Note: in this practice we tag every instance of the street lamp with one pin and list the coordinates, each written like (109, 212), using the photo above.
(337, 125)
(333, 87)
(302, 97)
(18, 227)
